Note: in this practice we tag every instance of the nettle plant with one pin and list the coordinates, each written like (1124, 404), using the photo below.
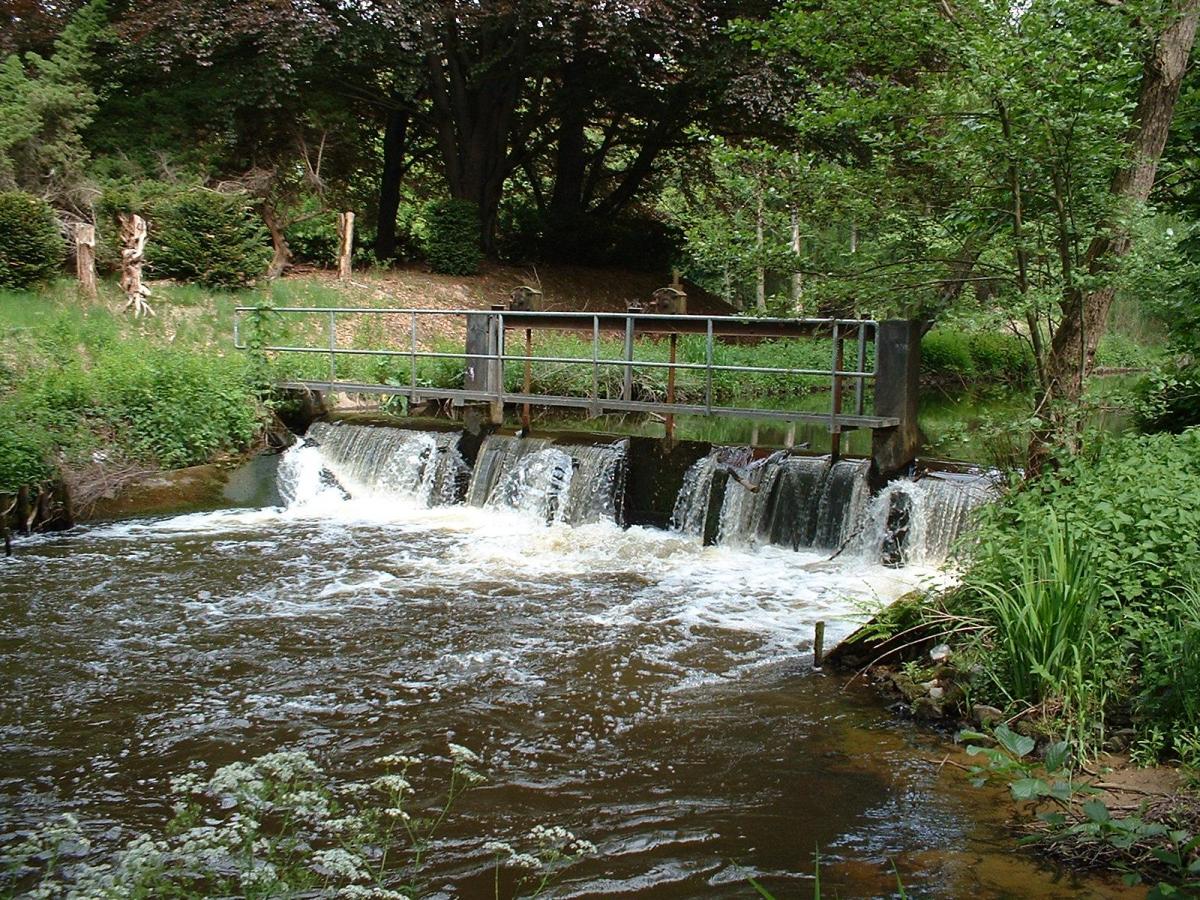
(1071, 812)
(280, 826)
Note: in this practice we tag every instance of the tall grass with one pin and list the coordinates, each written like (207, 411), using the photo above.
(1047, 628)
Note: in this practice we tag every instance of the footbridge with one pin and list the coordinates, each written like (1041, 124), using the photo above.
(871, 378)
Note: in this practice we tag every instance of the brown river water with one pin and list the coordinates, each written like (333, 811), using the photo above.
(650, 694)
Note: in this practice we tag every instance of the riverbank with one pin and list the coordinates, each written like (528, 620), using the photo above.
(1075, 626)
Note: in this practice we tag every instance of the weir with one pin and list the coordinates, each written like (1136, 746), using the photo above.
(867, 359)
(725, 497)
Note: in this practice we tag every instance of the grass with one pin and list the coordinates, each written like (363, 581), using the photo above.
(78, 376)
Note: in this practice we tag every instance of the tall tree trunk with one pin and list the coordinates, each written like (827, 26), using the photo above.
(570, 161)
(797, 276)
(760, 269)
(395, 140)
(281, 259)
(1085, 313)
(476, 88)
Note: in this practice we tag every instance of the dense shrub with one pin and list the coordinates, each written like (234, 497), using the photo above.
(1085, 582)
(1170, 400)
(179, 408)
(31, 248)
(947, 354)
(976, 356)
(1134, 502)
(211, 238)
(314, 240)
(452, 242)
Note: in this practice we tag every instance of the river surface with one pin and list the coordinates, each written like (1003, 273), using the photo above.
(652, 695)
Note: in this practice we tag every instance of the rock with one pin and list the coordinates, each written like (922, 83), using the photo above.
(936, 693)
(940, 653)
(928, 709)
(1119, 741)
(985, 715)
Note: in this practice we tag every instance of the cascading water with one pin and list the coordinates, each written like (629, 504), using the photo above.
(920, 521)
(806, 502)
(790, 500)
(365, 460)
(572, 484)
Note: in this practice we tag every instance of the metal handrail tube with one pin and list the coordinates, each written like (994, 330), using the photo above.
(637, 363)
(547, 314)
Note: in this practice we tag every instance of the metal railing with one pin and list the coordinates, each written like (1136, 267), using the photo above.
(486, 353)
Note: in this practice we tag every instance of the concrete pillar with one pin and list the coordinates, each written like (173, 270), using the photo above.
(897, 385)
(483, 374)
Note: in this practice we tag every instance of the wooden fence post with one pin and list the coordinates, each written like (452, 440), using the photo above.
(345, 244)
(85, 258)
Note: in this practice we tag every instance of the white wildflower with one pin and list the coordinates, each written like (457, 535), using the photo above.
(339, 863)
(345, 824)
(499, 848)
(581, 847)
(525, 861)
(398, 759)
(261, 876)
(392, 783)
(234, 779)
(358, 892)
(396, 813)
(190, 783)
(462, 755)
(286, 766)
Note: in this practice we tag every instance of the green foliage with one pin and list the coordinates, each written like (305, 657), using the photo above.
(1048, 646)
(212, 238)
(452, 242)
(176, 408)
(1169, 686)
(314, 240)
(1170, 399)
(75, 378)
(968, 357)
(1084, 583)
(1133, 501)
(1072, 814)
(46, 103)
(31, 248)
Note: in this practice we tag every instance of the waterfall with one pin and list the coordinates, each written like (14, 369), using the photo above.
(796, 501)
(568, 483)
(395, 462)
(807, 502)
(920, 521)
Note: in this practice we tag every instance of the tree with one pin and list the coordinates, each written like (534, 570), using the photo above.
(46, 103)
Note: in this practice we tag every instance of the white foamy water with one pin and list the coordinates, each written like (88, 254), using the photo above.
(644, 690)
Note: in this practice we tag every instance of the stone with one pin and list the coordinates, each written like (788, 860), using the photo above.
(940, 653)
(985, 715)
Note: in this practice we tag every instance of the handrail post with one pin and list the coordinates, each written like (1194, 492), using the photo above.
(413, 358)
(708, 362)
(332, 348)
(669, 422)
(835, 403)
(862, 361)
(595, 408)
(498, 402)
(525, 414)
(627, 389)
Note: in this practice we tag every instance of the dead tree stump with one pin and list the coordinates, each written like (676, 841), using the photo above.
(345, 244)
(85, 258)
(133, 257)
